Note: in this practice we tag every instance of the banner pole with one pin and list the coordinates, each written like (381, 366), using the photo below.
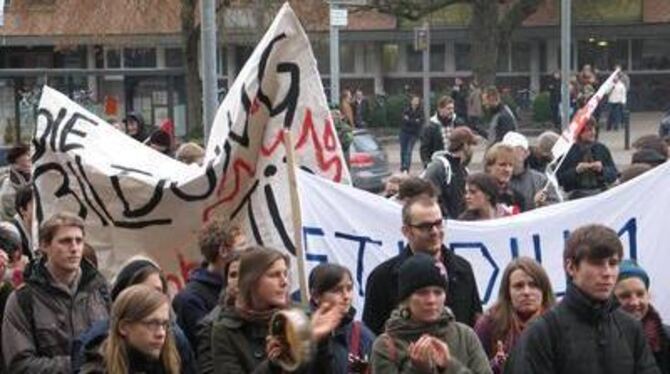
(296, 215)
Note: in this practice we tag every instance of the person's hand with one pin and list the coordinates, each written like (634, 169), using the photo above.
(420, 354)
(273, 347)
(540, 198)
(582, 167)
(500, 356)
(325, 320)
(597, 166)
(440, 352)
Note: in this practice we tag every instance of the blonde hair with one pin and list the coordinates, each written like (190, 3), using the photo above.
(190, 153)
(132, 305)
(496, 152)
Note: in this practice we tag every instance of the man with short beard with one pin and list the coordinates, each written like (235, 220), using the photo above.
(447, 171)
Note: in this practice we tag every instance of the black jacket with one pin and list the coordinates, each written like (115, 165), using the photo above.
(412, 121)
(381, 290)
(431, 137)
(579, 336)
(448, 175)
(570, 180)
(502, 122)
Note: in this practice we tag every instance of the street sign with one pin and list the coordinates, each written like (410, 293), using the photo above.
(338, 17)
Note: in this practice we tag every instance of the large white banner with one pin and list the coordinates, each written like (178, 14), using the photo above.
(361, 230)
(135, 200)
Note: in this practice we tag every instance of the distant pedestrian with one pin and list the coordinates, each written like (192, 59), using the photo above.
(435, 136)
(412, 123)
(502, 118)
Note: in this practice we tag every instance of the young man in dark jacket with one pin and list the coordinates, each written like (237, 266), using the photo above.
(502, 118)
(585, 333)
(423, 227)
(62, 297)
(205, 283)
(435, 136)
(447, 171)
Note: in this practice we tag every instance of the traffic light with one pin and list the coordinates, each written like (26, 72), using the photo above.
(420, 38)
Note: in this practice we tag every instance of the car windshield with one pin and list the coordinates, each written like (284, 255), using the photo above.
(365, 143)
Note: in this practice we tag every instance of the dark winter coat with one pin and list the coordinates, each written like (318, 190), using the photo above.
(570, 180)
(86, 347)
(139, 363)
(502, 121)
(581, 336)
(341, 339)
(450, 182)
(41, 343)
(432, 139)
(390, 351)
(412, 121)
(238, 346)
(381, 290)
(200, 295)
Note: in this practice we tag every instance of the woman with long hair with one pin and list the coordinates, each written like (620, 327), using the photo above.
(422, 335)
(351, 341)
(481, 198)
(140, 339)
(525, 294)
(241, 339)
(138, 271)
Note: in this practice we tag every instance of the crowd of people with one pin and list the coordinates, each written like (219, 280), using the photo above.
(422, 310)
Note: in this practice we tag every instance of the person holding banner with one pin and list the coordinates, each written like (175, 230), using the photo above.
(588, 167)
(585, 333)
(632, 292)
(422, 335)
(423, 227)
(241, 340)
(525, 294)
(499, 162)
(351, 340)
(135, 126)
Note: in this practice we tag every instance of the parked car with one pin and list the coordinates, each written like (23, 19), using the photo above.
(368, 162)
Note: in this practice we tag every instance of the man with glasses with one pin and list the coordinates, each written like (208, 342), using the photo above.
(423, 228)
(61, 298)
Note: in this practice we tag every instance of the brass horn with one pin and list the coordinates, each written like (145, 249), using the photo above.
(293, 329)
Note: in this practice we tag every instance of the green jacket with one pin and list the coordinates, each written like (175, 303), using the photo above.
(390, 350)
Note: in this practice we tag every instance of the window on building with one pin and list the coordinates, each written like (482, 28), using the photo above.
(543, 56)
(242, 54)
(503, 59)
(437, 57)
(601, 53)
(347, 58)
(651, 54)
(521, 57)
(139, 57)
(74, 58)
(390, 57)
(462, 54)
(222, 61)
(370, 58)
(113, 58)
(174, 57)
(414, 59)
(322, 55)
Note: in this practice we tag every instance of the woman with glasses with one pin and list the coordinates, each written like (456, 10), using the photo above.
(138, 271)
(140, 339)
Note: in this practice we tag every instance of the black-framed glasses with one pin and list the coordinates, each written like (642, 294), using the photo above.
(428, 226)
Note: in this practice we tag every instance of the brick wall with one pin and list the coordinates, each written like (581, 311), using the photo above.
(654, 11)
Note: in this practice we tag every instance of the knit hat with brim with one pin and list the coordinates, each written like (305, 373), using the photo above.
(254, 262)
(630, 269)
(419, 271)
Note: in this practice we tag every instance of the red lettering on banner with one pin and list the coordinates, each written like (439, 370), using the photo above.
(328, 142)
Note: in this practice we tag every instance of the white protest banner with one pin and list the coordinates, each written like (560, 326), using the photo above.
(354, 228)
(137, 201)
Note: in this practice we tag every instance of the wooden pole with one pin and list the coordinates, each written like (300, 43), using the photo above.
(296, 214)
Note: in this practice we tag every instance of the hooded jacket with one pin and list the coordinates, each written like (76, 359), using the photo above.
(448, 174)
(200, 295)
(581, 335)
(432, 139)
(390, 350)
(41, 343)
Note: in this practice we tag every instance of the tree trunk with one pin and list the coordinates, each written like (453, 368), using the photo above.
(191, 41)
(485, 41)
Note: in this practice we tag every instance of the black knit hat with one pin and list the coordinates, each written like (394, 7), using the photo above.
(127, 274)
(419, 271)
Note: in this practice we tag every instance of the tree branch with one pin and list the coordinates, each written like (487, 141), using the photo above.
(515, 16)
(412, 10)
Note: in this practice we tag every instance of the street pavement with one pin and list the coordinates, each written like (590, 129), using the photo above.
(642, 123)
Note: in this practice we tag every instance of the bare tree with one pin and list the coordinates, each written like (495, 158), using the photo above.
(491, 26)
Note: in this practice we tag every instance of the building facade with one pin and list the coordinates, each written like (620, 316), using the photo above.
(122, 60)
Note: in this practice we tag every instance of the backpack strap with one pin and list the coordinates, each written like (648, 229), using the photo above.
(24, 298)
